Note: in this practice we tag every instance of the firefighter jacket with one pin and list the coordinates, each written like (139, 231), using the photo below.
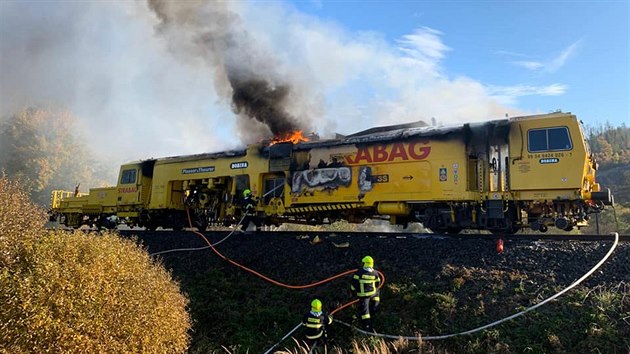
(365, 282)
(315, 323)
(249, 205)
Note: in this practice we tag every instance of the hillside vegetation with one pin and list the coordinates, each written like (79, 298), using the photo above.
(611, 148)
(43, 150)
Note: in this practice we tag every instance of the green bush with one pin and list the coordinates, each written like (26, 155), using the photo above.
(77, 292)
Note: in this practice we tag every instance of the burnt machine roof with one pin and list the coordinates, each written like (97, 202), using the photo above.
(412, 130)
(494, 129)
(377, 130)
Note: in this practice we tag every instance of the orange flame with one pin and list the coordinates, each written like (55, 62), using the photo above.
(293, 137)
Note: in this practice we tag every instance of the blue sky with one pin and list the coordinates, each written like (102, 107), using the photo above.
(142, 92)
(580, 46)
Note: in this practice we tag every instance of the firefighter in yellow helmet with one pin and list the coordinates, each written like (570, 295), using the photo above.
(365, 283)
(249, 209)
(316, 322)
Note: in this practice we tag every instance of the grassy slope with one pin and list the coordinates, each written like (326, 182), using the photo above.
(433, 287)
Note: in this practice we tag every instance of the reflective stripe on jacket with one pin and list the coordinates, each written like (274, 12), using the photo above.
(249, 205)
(316, 324)
(365, 282)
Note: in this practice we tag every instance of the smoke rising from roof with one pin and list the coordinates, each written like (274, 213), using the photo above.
(163, 78)
(212, 32)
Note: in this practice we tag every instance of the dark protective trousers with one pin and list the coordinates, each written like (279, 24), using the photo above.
(250, 218)
(368, 307)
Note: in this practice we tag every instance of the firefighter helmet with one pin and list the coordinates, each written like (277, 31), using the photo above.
(316, 305)
(246, 193)
(368, 261)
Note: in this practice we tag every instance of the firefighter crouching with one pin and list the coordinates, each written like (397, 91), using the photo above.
(316, 321)
(365, 282)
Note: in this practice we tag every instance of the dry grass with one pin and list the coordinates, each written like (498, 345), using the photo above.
(76, 292)
(21, 222)
(369, 345)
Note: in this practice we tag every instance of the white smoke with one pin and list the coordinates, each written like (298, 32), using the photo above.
(139, 96)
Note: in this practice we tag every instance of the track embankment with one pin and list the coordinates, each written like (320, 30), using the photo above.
(434, 285)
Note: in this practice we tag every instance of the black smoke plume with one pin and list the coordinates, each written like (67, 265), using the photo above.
(244, 71)
(258, 100)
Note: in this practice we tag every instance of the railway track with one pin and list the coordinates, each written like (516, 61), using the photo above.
(404, 235)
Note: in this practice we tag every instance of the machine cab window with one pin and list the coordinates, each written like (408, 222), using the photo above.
(128, 177)
(549, 139)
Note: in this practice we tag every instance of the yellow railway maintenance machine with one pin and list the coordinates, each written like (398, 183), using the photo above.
(502, 175)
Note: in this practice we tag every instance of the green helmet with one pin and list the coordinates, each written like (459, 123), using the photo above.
(368, 261)
(246, 193)
(316, 305)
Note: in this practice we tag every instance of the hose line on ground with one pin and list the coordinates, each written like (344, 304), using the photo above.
(332, 313)
(283, 338)
(211, 246)
(420, 338)
(204, 247)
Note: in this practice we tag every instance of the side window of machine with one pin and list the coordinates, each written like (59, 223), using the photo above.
(549, 139)
(559, 139)
(537, 140)
(274, 188)
(128, 176)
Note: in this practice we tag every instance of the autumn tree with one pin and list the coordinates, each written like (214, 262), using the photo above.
(41, 149)
(611, 147)
(605, 149)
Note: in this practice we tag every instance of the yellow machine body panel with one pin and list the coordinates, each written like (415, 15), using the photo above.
(548, 157)
(130, 186)
(99, 200)
(173, 176)
(72, 204)
(410, 170)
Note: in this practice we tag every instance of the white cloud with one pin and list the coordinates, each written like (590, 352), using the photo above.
(559, 61)
(368, 81)
(531, 65)
(509, 53)
(551, 65)
(528, 90)
(423, 46)
(449, 101)
(510, 94)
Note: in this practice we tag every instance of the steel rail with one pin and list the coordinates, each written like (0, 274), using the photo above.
(406, 235)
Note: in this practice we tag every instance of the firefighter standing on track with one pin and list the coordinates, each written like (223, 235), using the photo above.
(365, 282)
(249, 209)
(316, 321)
